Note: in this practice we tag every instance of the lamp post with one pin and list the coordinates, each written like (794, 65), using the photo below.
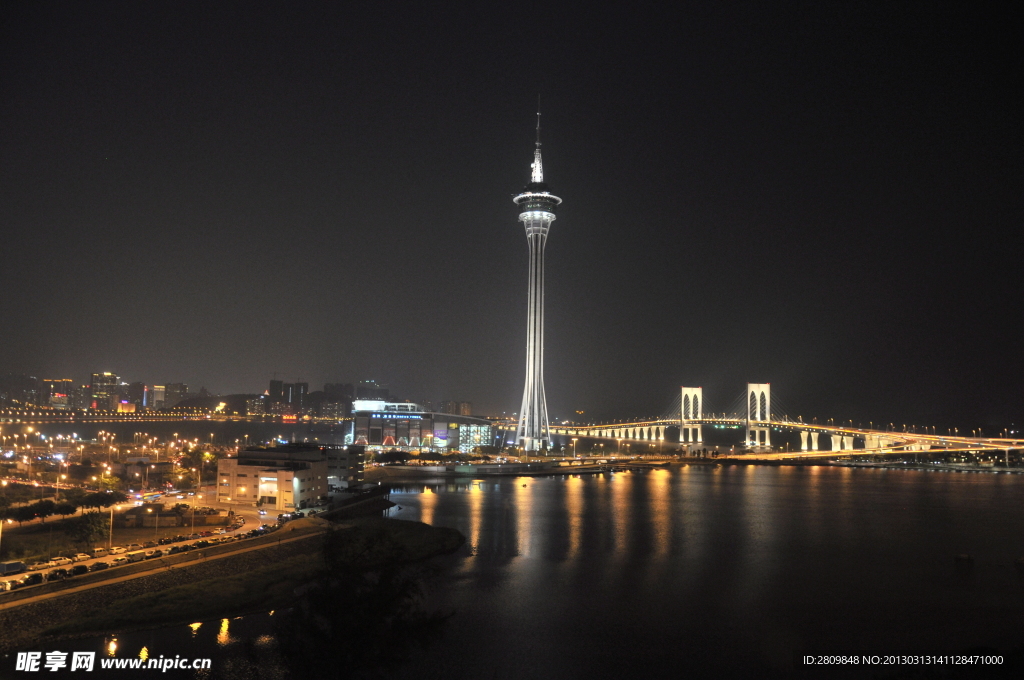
(110, 540)
(156, 522)
(8, 521)
(574, 440)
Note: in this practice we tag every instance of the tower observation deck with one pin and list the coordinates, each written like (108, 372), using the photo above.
(536, 211)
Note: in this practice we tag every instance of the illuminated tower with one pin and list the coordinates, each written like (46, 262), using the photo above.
(536, 212)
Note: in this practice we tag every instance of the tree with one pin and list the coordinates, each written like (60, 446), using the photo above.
(114, 498)
(74, 495)
(94, 500)
(394, 456)
(87, 529)
(64, 509)
(23, 513)
(42, 509)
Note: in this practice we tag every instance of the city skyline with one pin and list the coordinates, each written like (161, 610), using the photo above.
(815, 197)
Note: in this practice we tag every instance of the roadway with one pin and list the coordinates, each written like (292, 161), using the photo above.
(900, 440)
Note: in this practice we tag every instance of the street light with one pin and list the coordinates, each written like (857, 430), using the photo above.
(156, 523)
(574, 440)
(10, 521)
(110, 541)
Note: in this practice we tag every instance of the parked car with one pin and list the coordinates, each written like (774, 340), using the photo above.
(149, 544)
(36, 566)
(79, 569)
(10, 585)
(150, 554)
(136, 556)
(99, 552)
(80, 557)
(97, 566)
(118, 550)
(31, 579)
(118, 561)
(59, 561)
(132, 547)
(57, 574)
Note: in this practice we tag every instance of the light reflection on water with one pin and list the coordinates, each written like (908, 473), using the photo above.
(746, 563)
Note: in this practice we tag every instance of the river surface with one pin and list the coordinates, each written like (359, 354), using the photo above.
(698, 571)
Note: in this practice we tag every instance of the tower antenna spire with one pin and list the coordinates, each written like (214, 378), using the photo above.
(538, 121)
(537, 167)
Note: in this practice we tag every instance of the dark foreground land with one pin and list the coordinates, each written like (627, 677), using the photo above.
(253, 581)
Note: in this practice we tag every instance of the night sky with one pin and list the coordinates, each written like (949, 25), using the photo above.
(824, 196)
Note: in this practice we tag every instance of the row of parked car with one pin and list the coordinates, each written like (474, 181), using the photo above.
(298, 514)
(134, 552)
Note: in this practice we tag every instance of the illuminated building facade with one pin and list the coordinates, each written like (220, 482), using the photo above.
(104, 391)
(536, 212)
(384, 425)
(282, 478)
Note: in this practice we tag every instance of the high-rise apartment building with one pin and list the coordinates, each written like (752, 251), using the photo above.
(58, 394)
(276, 391)
(458, 408)
(157, 395)
(370, 389)
(103, 391)
(174, 394)
(137, 393)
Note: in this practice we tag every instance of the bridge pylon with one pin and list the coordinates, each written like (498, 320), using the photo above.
(803, 440)
(691, 411)
(759, 409)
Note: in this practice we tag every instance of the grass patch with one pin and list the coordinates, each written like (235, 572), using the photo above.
(364, 543)
(40, 541)
(266, 587)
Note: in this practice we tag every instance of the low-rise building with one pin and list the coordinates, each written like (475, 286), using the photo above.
(281, 478)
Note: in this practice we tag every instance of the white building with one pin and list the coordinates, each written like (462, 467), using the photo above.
(281, 479)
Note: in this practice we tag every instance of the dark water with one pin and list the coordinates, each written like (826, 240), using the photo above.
(702, 571)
